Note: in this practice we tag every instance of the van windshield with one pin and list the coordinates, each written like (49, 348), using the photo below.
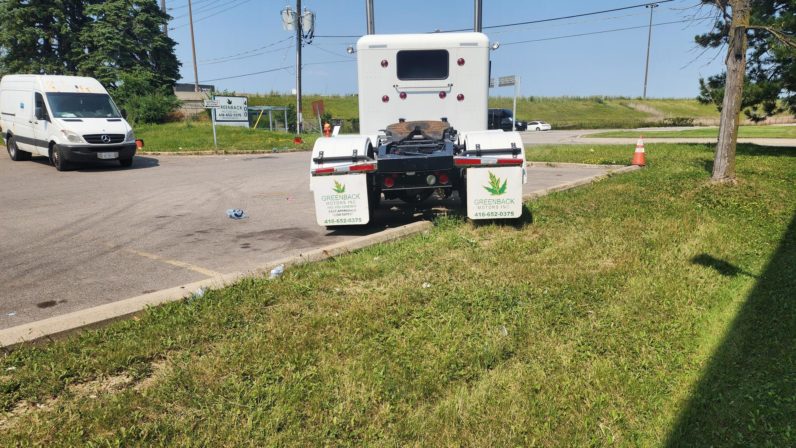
(82, 105)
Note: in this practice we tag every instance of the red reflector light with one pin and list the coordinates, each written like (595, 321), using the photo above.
(442, 95)
(460, 62)
(323, 171)
(402, 95)
(466, 162)
(385, 99)
(509, 161)
(443, 179)
(384, 63)
(389, 182)
(460, 97)
(363, 167)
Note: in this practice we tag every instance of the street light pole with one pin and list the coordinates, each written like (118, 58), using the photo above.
(651, 7)
(298, 66)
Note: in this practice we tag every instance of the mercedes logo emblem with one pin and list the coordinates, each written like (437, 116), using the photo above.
(105, 138)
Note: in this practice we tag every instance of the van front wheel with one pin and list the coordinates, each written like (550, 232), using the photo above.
(58, 160)
(14, 152)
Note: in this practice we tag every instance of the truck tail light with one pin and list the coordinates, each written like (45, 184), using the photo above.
(460, 62)
(402, 95)
(385, 99)
(442, 95)
(460, 97)
(443, 179)
(475, 161)
(389, 182)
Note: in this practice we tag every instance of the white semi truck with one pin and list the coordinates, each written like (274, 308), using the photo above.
(423, 129)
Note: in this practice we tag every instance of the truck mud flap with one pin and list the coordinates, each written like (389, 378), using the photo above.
(341, 200)
(494, 192)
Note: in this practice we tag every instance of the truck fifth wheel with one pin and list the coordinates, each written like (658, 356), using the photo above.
(423, 128)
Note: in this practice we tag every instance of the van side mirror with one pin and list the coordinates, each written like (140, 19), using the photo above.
(124, 113)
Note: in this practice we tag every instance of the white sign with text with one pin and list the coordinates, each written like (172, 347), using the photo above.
(494, 193)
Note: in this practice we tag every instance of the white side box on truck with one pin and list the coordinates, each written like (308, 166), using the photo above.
(66, 118)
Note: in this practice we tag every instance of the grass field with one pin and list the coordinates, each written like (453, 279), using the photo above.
(743, 132)
(561, 112)
(198, 136)
(648, 309)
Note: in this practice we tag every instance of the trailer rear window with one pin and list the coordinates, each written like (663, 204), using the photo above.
(422, 64)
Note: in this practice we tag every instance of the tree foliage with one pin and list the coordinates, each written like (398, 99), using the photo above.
(99, 38)
(770, 84)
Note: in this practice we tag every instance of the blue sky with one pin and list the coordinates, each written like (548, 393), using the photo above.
(238, 37)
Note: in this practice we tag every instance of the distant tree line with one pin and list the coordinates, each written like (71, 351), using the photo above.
(118, 42)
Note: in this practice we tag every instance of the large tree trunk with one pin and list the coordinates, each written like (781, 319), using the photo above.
(724, 161)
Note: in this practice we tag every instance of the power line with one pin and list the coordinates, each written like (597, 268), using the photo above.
(248, 74)
(246, 56)
(248, 51)
(588, 34)
(240, 2)
(530, 22)
(642, 5)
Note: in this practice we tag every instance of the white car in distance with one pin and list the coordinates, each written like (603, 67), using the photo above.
(538, 125)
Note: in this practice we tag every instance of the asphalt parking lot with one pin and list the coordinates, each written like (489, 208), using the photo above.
(76, 239)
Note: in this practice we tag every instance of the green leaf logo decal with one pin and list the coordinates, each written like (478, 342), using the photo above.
(495, 188)
(339, 188)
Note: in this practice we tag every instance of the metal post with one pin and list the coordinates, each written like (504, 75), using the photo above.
(270, 120)
(477, 16)
(215, 140)
(193, 49)
(298, 67)
(285, 111)
(369, 14)
(165, 25)
(514, 109)
(649, 39)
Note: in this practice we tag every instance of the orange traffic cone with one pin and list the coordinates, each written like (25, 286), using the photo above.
(638, 156)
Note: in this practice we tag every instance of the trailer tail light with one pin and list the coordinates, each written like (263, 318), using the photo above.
(443, 179)
(363, 168)
(384, 63)
(460, 62)
(402, 95)
(460, 97)
(442, 95)
(389, 182)
(510, 161)
(322, 171)
(385, 99)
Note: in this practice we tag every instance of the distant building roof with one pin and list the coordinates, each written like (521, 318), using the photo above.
(189, 87)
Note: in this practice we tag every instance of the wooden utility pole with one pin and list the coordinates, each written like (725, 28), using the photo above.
(724, 160)
(298, 66)
(165, 25)
(193, 49)
(651, 7)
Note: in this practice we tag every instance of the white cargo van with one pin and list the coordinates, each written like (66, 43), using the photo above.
(66, 118)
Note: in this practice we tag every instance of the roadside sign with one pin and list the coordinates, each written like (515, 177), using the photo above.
(504, 81)
(211, 104)
(232, 111)
(317, 107)
(491, 82)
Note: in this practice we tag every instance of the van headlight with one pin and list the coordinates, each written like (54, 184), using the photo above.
(71, 137)
(130, 136)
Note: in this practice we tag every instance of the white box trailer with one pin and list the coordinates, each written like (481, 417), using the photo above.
(423, 128)
(66, 118)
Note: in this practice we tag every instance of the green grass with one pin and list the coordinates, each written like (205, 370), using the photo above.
(562, 112)
(198, 136)
(647, 309)
(743, 132)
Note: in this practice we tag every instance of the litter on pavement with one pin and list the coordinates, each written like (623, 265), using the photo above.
(236, 213)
